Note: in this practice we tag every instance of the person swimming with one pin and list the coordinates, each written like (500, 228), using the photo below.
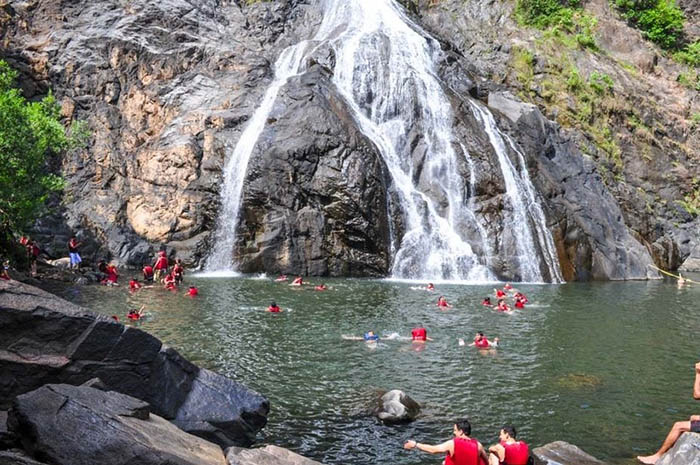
(486, 302)
(521, 296)
(442, 303)
(274, 308)
(519, 303)
(298, 281)
(430, 287)
(369, 337)
(502, 306)
(136, 315)
(321, 287)
(419, 334)
(481, 342)
(507, 287)
(134, 284)
(169, 282)
(192, 291)
(281, 278)
(499, 293)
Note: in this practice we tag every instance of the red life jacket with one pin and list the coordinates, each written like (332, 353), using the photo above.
(274, 309)
(442, 303)
(517, 453)
(500, 293)
(133, 284)
(162, 263)
(148, 270)
(519, 304)
(193, 291)
(466, 452)
(482, 343)
(419, 334)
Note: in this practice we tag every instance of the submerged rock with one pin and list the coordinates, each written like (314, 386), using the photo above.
(45, 339)
(79, 425)
(686, 451)
(397, 407)
(268, 455)
(563, 453)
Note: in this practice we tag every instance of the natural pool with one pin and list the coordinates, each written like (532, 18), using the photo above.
(606, 366)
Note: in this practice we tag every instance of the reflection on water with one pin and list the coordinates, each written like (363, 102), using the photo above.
(607, 366)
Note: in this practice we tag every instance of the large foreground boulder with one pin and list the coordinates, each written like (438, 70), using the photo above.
(686, 451)
(78, 425)
(268, 455)
(16, 457)
(45, 339)
(563, 453)
(397, 407)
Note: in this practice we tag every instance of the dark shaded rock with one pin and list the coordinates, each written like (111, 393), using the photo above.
(76, 425)
(268, 455)
(16, 457)
(396, 407)
(95, 383)
(563, 453)
(7, 438)
(686, 451)
(44, 339)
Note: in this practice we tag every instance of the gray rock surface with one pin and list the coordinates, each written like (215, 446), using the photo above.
(563, 453)
(268, 455)
(44, 339)
(16, 457)
(78, 425)
(396, 406)
(686, 451)
(7, 438)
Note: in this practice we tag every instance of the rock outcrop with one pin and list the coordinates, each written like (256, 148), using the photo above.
(686, 451)
(396, 406)
(268, 455)
(44, 339)
(563, 453)
(78, 425)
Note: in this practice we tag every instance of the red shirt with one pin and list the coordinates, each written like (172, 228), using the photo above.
(148, 270)
(162, 263)
(519, 304)
(134, 285)
(500, 293)
(193, 291)
(419, 334)
(516, 453)
(443, 303)
(481, 343)
(466, 452)
(274, 309)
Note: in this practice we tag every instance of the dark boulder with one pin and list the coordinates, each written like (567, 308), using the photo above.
(16, 457)
(563, 453)
(77, 425)
(7, 438)
(396, 407)
(44, 339)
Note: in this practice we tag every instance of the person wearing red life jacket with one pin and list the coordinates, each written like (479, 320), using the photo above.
(481, 342)
(147, 273)
(193, 291)
(507, 287)
(274, 308)
(160, 266)
(419, 335)
(281, 278)
(486, 302)
(442, 303)
(134, 284)
(509, 451)
(499, 293)
(178, 271)
(430, 287)
(112, 275)
(460, 450)
(521, 296)
(502, 306)
(169, 282)
(297, 281)
(321, 287)
(519, 303)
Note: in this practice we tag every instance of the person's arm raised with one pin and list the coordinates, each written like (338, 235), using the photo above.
(445, 447)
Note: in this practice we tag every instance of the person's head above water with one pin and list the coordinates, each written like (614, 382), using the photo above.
(273, 304)
(507, 431)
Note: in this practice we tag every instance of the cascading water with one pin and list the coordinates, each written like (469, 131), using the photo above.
(385, 70)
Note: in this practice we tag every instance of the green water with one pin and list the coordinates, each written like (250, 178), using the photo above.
(606, 366)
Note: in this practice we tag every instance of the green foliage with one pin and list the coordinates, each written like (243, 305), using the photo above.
(695, 120)
(601, 83)
(661, 21)
(691, 201)
(690, 55)
(523, 63)
(574, 82)
(690, 79)
(29, 133)
(559, 18)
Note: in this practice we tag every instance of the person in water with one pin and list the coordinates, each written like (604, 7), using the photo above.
(499, 293)
(680, 427)
(519, 303)
(509, 451)
(502, 306)
(192, 291)
(274, 308)
(147, 273)
(321, 287)
(481, 342)
(178, 271)
(160, 266)
(135, 315)
(507, 287)
(420, 335)
(486, 302)
(460, 450)
(281, 278)
(169, 282)
(369, 337)
(112, 275)
(297, 281)
(134, 284)
(521, 296)
(430, 287)
(442, 303)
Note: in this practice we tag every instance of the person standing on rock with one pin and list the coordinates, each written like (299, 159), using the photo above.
(509, 451)
(160, 266)
(461, 450)
(75, 259)
(679, 427)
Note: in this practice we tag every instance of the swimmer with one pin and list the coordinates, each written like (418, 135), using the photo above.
(135, 315)
(519, 303)
(681, 281)
(297, 281)
(481, 342)
(430, 287)
(486, 302)
(274, 308)
(192, 291)
(321, 287)
(147, 273)
(281, 278)
(178, 271)
(521, 296)
(442, 303)
(112, 276)
(370, 338)
(169, 282)
(134, 284)
(507, 287)
(502, 306)
(499, 293)
(419, 335)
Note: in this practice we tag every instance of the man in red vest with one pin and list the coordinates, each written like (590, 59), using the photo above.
(460, 450)
(508, 451)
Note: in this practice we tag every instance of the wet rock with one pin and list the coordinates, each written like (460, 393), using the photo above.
(76, 425)
(563, 453)
(7, 438)
(44, 339)
(268, 455)
(16, 457)
(397, 407)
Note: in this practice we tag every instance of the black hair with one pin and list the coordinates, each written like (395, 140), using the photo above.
(464, 426)
(480, 333)
(273, 304)
(510, 429)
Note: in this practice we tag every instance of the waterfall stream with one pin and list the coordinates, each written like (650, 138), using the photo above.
(385, 71)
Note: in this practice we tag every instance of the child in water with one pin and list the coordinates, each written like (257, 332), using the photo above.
(442, 303)
(192, 291)
(135, 315)
(274, 308)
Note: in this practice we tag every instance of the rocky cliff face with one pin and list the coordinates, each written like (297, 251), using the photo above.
(166, 88)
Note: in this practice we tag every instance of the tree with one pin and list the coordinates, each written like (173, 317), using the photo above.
(29, 133)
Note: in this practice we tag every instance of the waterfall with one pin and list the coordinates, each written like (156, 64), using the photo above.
(385, 71)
